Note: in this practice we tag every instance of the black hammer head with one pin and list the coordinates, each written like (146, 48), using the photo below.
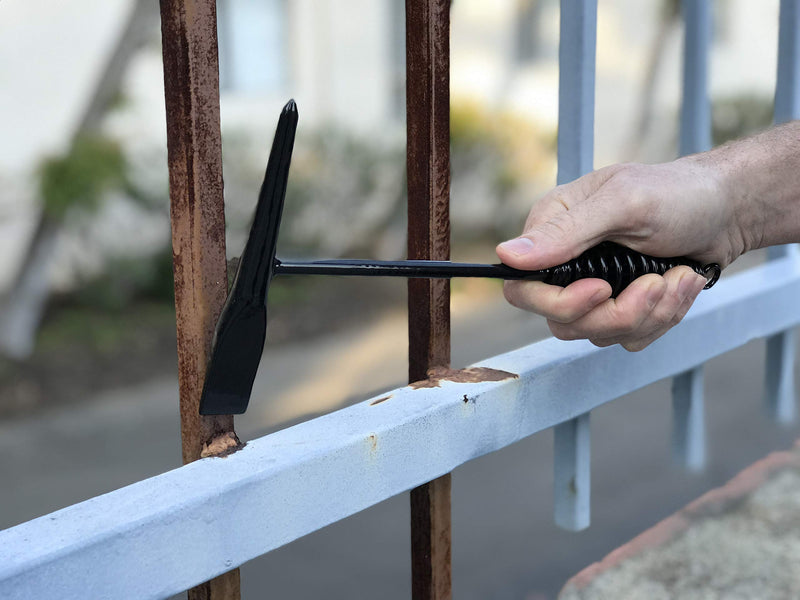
(239, 335)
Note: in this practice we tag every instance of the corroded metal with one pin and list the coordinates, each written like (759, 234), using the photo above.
(428, 173)
(191, 84)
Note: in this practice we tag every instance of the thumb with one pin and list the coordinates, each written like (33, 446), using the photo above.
(552, 242)
(568, 220)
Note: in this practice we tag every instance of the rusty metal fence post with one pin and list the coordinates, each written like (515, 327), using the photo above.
(428, 163)
(194, 145)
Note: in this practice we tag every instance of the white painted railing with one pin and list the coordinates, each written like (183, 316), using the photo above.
(160, 536)
(166, 534)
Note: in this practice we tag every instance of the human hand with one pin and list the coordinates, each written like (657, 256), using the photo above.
(673, 209)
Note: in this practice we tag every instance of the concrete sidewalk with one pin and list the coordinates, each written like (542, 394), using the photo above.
(741, 540)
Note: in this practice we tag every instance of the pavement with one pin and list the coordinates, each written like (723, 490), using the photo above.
(505, 544)
(741, 540)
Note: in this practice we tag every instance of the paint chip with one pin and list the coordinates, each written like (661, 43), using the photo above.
(469, 375)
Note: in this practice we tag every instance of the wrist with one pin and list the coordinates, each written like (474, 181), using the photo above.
(760, 176)
(736, 223)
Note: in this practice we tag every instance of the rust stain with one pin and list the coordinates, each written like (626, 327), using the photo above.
(428, 177)
(373, 442)
(379, 400)
(194, 152)
(469, 375)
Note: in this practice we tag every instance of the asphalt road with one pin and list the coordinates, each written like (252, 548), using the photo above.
(505, 544)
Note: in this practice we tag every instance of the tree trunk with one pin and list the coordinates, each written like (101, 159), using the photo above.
(25, 303)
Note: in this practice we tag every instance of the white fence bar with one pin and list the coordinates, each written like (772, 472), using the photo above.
(573, 455)
(695, 136)
(576, 59)
(780, 384)
(787, 88)
(688, 429)
(695, 129)
(160, 536)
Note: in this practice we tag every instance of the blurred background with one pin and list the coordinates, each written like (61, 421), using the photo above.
(88, 388)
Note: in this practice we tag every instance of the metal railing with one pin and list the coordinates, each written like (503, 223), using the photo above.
(163, 535)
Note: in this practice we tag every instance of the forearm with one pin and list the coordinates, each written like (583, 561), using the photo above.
(760, 177)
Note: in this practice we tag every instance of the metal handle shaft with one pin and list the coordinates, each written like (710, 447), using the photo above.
(614, 263)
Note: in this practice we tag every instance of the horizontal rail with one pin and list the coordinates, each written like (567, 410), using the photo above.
(162, 535)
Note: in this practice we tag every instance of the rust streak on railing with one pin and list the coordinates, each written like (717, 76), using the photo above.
(191, 84)
(428, 160)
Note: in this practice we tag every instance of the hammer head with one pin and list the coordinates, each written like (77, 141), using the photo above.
(242, 326)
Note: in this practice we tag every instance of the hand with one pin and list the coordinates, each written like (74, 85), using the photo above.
(673, 209)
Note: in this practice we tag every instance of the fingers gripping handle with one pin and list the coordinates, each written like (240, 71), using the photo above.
(619, 266)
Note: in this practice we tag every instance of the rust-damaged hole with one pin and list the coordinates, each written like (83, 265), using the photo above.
(222, 445)
(469, 375)
(379, 400)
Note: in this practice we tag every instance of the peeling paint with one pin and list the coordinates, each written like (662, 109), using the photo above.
(379, 400)
(469, 375)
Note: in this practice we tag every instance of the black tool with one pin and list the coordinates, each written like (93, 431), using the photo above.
(239, 336)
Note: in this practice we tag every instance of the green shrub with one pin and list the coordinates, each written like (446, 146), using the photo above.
(93, 166)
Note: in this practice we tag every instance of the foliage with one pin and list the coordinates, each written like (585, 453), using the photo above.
(129, 280)
(524, 150)
(500, 163)
(346, 193)
(79, 179)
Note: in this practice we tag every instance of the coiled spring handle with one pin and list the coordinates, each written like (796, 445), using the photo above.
(619, 266)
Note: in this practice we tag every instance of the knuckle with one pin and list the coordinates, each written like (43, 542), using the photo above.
(567, 313)
(622, 321)
(562, 332)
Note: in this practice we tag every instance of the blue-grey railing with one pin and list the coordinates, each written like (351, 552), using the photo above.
(576, 60)
(166, 534)
(780, 385)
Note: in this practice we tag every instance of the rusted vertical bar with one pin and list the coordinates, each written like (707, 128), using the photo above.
(194, 145)
(428, 156)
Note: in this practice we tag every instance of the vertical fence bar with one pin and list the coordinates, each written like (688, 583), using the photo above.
(194, 146)
(695, 136)
(780, 384)
(576, 59)
(573, 457)
(688, 429)
(428, 163)
(695, 131)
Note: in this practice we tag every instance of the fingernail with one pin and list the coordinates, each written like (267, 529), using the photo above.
(700, 283)
(518, 246)
(686, 286)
